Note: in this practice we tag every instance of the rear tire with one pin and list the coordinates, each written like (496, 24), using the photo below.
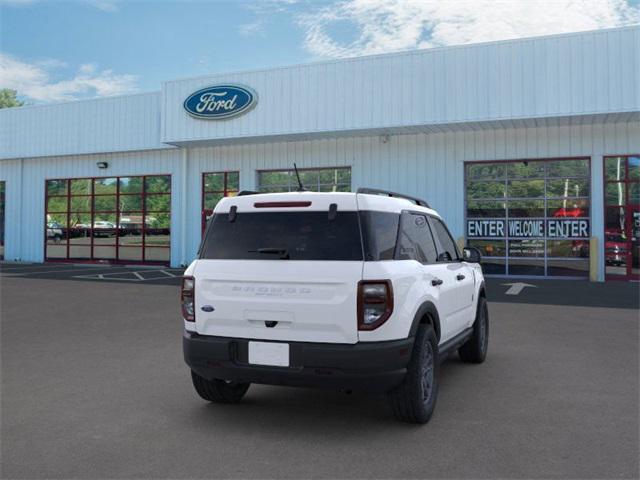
(475, 349)
(414, 400)
(219, 391)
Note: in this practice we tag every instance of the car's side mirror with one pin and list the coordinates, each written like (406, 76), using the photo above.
(471, 255)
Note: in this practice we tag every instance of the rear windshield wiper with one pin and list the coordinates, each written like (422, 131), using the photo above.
(284, 254)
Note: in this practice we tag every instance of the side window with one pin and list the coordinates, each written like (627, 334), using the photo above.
(415, 241)
(447, 244)
(379, 234)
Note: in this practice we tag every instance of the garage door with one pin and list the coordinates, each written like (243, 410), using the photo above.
(115, 219)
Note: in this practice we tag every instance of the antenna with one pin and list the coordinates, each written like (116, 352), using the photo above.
(300, 186)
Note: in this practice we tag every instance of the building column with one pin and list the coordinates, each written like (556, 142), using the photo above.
(184, 204)
(597, 211)
(247, 177)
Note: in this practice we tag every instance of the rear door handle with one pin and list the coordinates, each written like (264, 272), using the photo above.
(436, 281)
(460, 277)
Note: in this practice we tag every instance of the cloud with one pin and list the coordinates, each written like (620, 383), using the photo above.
(391, 25)
(104, 5)
(264, 11)
(252, 28)
(34, 80)
(266, 7)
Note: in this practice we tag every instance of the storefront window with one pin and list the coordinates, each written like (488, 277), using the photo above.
(215, 186)
(317, 180)
(530, 218)
(622, 217)
(123, 219)
(2, 187)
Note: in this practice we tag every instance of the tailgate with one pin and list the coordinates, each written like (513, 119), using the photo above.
(306, 301)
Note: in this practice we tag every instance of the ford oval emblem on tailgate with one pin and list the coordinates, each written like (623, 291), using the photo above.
(207, 308)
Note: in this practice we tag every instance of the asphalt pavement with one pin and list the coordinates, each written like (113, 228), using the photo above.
(94, 386)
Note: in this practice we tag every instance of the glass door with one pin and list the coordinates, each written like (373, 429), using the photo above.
(215, 186)
(1, 220)
(622, 217)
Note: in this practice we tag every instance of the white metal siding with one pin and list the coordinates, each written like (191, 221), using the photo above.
(112, 124)
(424, 165)
(25, 192)
(558, 76)
(11, 174)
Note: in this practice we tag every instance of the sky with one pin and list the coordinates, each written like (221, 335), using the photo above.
(54, 50)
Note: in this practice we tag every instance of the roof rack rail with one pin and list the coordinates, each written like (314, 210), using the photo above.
(242, 193)
(376, 191)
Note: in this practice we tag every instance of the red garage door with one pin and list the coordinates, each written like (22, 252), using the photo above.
(115, 219)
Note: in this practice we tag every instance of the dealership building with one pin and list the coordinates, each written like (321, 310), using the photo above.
(529, 149)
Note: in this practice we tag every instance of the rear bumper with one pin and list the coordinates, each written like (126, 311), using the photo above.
(371, 366)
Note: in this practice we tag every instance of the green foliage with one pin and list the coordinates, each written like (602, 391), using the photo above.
(8, 98)
(318, 180)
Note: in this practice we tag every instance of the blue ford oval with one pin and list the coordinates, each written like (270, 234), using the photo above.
(220, 101)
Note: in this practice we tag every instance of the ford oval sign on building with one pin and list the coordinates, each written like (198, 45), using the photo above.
(220, 102)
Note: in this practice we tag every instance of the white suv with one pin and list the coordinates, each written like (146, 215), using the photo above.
(351, 291)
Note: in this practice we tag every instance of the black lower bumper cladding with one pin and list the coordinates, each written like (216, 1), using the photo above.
(370, 366)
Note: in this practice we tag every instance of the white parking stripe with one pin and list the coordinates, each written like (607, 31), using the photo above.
(138, 276)
(3, 272)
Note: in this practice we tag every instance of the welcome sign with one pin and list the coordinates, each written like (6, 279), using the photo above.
(528, 228)
(220, 102)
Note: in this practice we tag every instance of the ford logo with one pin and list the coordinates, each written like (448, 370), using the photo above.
(220, 101)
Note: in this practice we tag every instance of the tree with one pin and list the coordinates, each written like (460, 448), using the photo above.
(8, 98)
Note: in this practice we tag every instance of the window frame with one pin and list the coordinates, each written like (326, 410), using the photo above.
(225, 193)
(628, 206)
(3, 209)
(546, 177)
(117, 213)
(439, 247)
(403, 215)
(291, 175)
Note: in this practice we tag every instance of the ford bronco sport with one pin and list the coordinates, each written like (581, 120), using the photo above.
(350, 291)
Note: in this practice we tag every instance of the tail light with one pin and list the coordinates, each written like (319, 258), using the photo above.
(375, 303)
(187, 298)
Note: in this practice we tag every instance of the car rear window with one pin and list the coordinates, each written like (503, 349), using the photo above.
(283, 235)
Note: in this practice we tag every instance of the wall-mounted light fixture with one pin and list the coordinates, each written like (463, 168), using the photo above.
(102, 164)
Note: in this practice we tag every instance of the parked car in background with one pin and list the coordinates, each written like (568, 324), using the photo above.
(54, 232)
(569, 212)
(103, 228)
(615, 248)
(130, 225)
(79, 230)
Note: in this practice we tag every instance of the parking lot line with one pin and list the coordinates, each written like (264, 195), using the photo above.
(34, 271)
(135, 276)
